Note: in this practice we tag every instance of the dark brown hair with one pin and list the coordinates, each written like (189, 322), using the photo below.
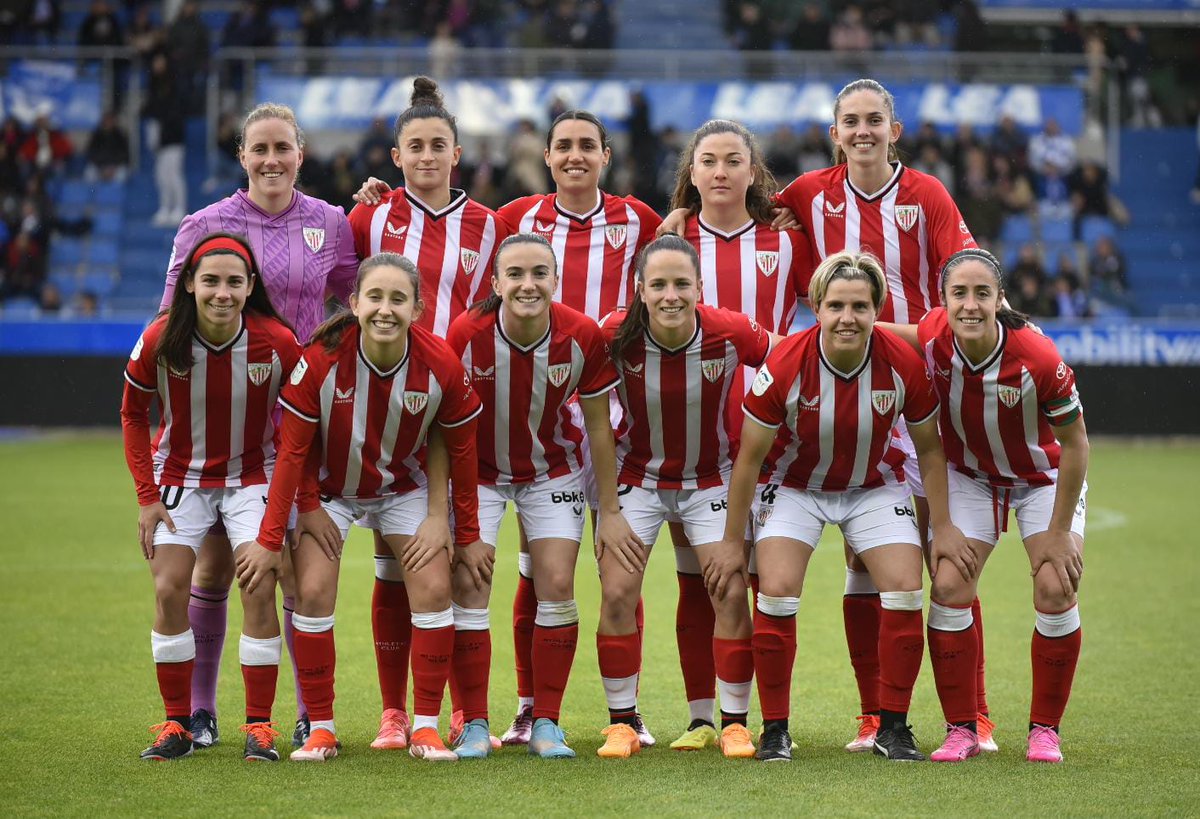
(491, 302)
(758, 196)
(585, 116)
(330, 331)
(637, 318)
(175, 345)
(425, 103)
(1005, 315)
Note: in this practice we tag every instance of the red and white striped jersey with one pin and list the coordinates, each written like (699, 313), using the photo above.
(837, 427)
(452, 247)
(374, 423)
(216, 427)
(596, 250)
(910, 224)
(675, 433)
(526, 432)
(996, 416)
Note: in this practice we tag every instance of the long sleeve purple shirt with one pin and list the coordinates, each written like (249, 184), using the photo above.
(303, 251)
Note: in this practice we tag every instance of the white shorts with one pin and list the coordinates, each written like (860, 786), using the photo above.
(981, 510)
(195, 510)
(548, 509)
(912, 470)
(389, 515)
(701, 511)
(588, 476)
(867, 517)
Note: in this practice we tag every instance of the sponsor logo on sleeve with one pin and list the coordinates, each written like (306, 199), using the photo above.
(962, 228)
(713, 369)
(907, 215)
(1009, 396)
(615, 235)
(137, 349)
(314, 238)
(1061, 372)
(414, 402)
(768, 261)
(558, 373)
(762, 381)
(883, 400)
(299, 371)
(259, 373)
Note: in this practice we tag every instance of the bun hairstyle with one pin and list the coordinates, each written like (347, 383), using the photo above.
(889, 105)
(491, 302)
(849, 266)
(175, 345)
(759, 196)
(1005, 315)
(637, 319)
(330, 331)
(425, 103)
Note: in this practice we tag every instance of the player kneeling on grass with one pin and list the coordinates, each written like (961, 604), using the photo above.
(361, 406)
(529, 357)
(822, 411)
(1014, 436)
(215, 360)
(679, 360)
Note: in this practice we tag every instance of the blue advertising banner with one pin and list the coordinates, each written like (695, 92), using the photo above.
(1094, 5)
(36, 87)
(493, 106)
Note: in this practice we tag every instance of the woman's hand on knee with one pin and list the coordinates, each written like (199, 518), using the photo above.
(256, 564)
(320, 527)
(148, 519)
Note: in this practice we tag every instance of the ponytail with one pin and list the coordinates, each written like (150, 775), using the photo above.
(1005, 315)
(637, 318)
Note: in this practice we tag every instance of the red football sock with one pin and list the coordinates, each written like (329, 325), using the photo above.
(753, 588)
(861, 613)
(470, 671)
(175, 686)
(620, 658)
(901, 646)
(391, 625)
(774, 647)
(953, 656)
(553, 654)
(694, 623)
(432, 649)
(524, 613)
(260, 681)
(1054, 660)
(734, 661)
(315, 659)
(980, 686)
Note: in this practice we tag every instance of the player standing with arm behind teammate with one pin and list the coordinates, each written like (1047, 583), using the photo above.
(451, 239)
(373, 386)
(305, 251)
(530, 357)
(679, 362)
(1015, 438)
(822, 411)
(215, 359)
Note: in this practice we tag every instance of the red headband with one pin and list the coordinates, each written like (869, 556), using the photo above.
(222, 243)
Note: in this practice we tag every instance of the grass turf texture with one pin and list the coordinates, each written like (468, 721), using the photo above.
(77, 687)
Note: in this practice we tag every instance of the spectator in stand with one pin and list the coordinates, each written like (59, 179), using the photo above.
(189, 43)
(1196, 184)
(1052, 150)
(1108, 270)
(26, 268)
(964, 140)
(930, 161)
(167, 121)
(484, 179)
(927, 134)
(378, 137)
(341, 180)
(1029, 266)
(1068, 37)
(1013, 187)
(970, 28)
(86, 305)
(101, 27)
(783, 155)
(1026, 295)
(644, 149)
(50, 300)
(562, 26)
(1133, 63)
(526, 161)
(145, 37)
(12, 134)
(444, 51)
(315, 26)
(813, 152)
(249, 27)
(977, 201)
(811, 32)
(46, 148)
(1090, 195)
(1070, 300)
(600, 30)
(850, 33)
(1009, 140)
(108, 151)
(753, 30)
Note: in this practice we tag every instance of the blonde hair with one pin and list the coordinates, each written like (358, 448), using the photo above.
(759, 196)
(851, 266)
(271, 110)
(889, 105)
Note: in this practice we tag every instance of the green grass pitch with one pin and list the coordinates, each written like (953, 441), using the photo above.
(77, 688)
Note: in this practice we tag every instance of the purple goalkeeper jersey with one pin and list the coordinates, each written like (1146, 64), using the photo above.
(303, 251)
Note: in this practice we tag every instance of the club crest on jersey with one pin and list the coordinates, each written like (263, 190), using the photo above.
(414, 402)
(470, 258)
(906, 216)
(259, 373)
(883, 400)
(314, 238)
(392, 230)
(490, 372)
(834, 210)
(810, 404)
(343, 395)
(1009, 396)
(768, 261)
(558, 373)
(615, 235)
(713, 369)
(762, 381)
(298, 373)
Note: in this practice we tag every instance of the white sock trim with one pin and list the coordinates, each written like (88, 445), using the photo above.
(735, 697)
(173, 648)
(327, 724)
(260, 650)
(388, 568)
(950, 618)
(902, 600)
(312, 625)
(778, 606)
(470, 619)
(1057, 625)
(701, 709)
(687, 561)
(620, 692)
(859, 583)
(433, 619)
(525, 565)
(424, 721)
(551, 613)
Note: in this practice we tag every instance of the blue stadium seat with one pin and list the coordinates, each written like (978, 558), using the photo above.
(1093, 227)
(75, 194)
(66, 252)
(1017, 230)
(1052, 250)
(108, 222)
(102, 284)
(110, 193)
(104, 252)
(1056, 229)
(21, 307)
(66, 281)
